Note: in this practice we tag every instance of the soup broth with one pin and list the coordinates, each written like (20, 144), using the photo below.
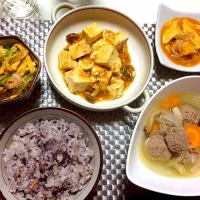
(164, 167)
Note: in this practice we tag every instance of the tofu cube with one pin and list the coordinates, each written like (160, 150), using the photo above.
(93, 55)
(92, 33)
(115, 79)
(116, 69)
(171, 32)
(104, 80)
(79, 49)
(93, 79)
(97, 70)
(118, 40)
(65, 61)
(116, 89)
(188, 27)
(86, 63)
(77, 80)
(97, 45)
(107, 56)
(187, 48)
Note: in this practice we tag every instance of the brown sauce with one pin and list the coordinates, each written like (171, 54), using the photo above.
(104, 96)
(126, 61)
(175, 48)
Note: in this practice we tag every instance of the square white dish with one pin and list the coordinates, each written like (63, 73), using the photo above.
(50, 113)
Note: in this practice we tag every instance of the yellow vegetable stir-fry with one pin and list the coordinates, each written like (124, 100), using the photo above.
(16, 71)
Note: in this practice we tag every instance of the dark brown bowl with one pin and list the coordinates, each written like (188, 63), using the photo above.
(10, 41)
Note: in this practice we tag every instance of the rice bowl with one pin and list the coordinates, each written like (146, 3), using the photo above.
(51, 148)
(53, 151)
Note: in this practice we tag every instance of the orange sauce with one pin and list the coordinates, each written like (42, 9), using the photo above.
(104, 96)
(172, 48)
(126, 60)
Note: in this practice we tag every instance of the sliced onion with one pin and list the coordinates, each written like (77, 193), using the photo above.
(174, 117)
(163, 121)
(168, 118)
(168, 115)
(180, 168)
(193, 158)
(177, 115)
(167, 112)
(151, 119)
(196, 166)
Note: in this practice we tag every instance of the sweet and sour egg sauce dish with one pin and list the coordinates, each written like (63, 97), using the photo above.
(16, 71)
(180, 41)
(170, 143)
(96, 64)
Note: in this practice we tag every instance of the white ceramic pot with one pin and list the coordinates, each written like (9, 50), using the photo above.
(139, 48)
(136, 171)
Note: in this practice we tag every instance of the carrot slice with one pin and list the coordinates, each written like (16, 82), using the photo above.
(155, 126)
(170, 102)
(194, 134)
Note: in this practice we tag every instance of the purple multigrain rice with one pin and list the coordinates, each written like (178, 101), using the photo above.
(48, 160)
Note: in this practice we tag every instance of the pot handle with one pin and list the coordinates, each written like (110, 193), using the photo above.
(59, 7)
(138, 110)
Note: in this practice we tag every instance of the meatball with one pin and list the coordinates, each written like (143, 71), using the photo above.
(177, 140)
(164, 128)
(157, 148)
(188, 158)
(161, 133)
(189, 115)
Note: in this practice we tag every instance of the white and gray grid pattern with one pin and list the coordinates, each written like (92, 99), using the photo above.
(114, 128)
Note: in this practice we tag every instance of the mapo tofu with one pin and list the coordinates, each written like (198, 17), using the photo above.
(96, 64)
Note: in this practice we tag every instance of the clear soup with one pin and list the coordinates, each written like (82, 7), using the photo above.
(162, 167)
